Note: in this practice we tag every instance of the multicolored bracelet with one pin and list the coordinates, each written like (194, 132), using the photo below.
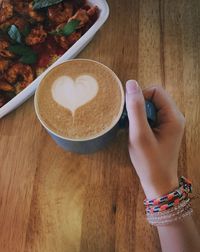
(185, 186)
(171, 207)
(170, 216)
(167, 205)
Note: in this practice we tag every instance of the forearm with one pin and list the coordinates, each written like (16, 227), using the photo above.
(180, 236)
(154, 154)
(176, 228)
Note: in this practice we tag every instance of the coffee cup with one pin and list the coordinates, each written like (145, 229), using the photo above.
(80, 103)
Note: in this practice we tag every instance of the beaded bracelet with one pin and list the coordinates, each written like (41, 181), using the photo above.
(167, 205)
(171, 207)
(184, 186)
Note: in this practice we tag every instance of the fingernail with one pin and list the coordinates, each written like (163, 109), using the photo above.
(132, 87)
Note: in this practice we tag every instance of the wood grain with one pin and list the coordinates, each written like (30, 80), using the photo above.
(51, 200)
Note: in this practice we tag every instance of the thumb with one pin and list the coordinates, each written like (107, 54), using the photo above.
(135, 105)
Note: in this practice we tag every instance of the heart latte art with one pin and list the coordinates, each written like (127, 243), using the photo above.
(79, 99)
(72, 94)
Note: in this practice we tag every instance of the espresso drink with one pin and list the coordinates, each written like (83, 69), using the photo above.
(79, 99)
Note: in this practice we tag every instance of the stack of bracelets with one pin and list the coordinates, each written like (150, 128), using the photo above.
(171, 207)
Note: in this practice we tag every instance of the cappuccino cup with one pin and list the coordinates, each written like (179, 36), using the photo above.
(80, 103)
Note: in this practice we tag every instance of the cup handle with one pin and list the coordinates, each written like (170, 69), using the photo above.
(150, 111)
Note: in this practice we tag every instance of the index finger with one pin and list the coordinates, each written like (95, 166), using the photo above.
(163, 102)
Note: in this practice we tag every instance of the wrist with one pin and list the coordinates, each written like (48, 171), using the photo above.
(158, 188)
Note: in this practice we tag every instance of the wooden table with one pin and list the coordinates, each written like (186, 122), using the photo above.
(51, 200)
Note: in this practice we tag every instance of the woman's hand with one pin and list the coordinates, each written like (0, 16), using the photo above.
(154, 152)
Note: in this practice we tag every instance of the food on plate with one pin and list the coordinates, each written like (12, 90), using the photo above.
(34, 34)
(6, 11)
(4, 50)
(21, 73)
(60, 13)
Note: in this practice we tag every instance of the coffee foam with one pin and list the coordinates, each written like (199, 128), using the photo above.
(72, 94)
(91, 119)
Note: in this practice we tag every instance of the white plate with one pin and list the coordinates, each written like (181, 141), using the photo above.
(70, 54)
